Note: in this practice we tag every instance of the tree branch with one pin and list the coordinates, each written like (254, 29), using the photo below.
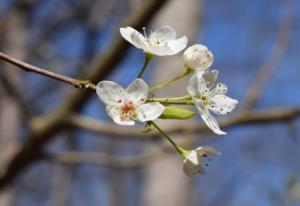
(30, 68)
(46, 129)
(243, 118)
(97, 158)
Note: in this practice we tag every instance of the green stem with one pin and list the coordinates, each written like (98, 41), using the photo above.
(170, 101)
(167, 83)
(187, 97)
(148, 58)
(178, 102)
(179, 149)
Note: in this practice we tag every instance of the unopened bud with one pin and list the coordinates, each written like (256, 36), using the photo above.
(198, 57)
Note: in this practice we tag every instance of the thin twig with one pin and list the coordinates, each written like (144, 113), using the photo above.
(54, 123)
(86, 84)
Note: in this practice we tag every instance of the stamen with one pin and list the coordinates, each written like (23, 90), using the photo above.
(145, 34)
(128, 109)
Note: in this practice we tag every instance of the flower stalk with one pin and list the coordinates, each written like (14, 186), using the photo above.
(185, 100)
(184, 153)
(187, 97)
(169, 82)
(148, 58)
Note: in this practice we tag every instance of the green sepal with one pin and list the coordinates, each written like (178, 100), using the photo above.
(174, 112)
(148, 128)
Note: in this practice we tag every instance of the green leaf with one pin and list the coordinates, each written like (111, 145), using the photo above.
(174, 112)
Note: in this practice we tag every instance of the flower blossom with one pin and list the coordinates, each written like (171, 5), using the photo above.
(198, 57)
(208, 95)
(126, 105)
(196, 160)
(161, 42)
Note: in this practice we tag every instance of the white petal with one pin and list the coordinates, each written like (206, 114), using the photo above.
(110, 92)
(196, 159)
(207, 150)
(137, 91)
(177, 45)
(114, 113)
(222, 104)
(193, 170)
(210, 77)
(193, 157)
(192, 87)
(197, 85)
(134, 37)
(192, 165)
(218, 89)
(159, 50)
(164, 33)
(149, 111)
(209, 120)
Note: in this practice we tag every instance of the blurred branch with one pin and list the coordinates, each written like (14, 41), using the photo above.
(97, 158)
(46, 129)
(243, 118)
(13, 92)
(30, 68)
(277, 53)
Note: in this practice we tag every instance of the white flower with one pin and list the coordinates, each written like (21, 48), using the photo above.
(161, 42)
(209, 95)
(198, 57)
(197, 159)
(126, 105)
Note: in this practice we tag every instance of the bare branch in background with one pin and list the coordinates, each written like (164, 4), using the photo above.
(96, 158)
(243, 118)
(54, 123)
(12, 91)
(276, 55)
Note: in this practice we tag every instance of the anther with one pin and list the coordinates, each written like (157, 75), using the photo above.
(144, 29)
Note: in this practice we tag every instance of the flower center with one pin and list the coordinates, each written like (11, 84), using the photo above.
(128, 110)
(204, 100)
(153, 41)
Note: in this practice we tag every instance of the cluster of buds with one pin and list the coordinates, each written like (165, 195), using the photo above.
(127, 105)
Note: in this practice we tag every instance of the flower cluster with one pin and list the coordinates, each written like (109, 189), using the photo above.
(125, 106)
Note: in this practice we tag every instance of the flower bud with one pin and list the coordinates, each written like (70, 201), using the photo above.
(173, 112)
(198, 57)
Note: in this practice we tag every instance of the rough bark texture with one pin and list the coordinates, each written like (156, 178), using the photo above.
(165, 183)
